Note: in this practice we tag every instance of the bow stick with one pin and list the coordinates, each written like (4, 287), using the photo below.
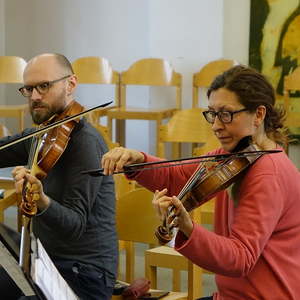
(196, 159)
(51, 126)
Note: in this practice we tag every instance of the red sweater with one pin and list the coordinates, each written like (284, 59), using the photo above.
(255, 247)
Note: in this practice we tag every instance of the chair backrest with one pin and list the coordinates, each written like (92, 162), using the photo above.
(207, 74)
(136, 218)
(11, 69)
(151, 72)
(94, 70)
(185, 126)
(291, 84)
(97, 70)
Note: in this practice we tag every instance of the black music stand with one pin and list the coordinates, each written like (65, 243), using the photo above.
(13, 278)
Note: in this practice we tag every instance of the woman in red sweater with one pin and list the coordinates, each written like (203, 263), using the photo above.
(255, 247)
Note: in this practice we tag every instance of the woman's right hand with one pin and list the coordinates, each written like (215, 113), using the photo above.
(115, 159)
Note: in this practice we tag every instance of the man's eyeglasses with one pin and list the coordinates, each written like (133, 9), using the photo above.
(42, 88)
(224, 116)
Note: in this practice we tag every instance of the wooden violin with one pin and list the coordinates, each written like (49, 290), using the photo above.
(205, 182)
(45, 152)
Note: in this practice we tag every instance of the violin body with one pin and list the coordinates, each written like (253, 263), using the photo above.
(200, 189)
(55, 141)
(48, 150)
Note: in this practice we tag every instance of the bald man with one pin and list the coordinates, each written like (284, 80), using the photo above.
(76, 213)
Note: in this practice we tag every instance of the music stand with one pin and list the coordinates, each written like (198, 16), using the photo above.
(9, 256)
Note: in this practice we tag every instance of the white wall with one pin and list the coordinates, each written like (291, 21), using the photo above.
(236, 26)
(187, 33)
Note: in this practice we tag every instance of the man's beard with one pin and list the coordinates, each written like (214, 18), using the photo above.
(41, 116)
(47, 111)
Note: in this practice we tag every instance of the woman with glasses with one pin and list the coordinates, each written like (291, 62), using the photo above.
(255, 247)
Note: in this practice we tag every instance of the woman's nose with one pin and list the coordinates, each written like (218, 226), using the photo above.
(217, 124)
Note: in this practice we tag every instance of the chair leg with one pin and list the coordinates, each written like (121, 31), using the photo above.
(176, 280)
(1, 214)
(151, 274)
(195, 281)
(130, 261)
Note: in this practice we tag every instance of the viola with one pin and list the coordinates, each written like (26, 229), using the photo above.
(45, 152)
(205, 182)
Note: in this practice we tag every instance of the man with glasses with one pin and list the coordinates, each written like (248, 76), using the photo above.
(75, 220)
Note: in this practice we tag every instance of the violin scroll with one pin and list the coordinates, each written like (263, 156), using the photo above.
(30, 196)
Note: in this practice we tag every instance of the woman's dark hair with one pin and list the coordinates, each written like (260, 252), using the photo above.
(253, 90)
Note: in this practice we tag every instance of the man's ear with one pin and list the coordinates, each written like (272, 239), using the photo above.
(260, 115)
(72, 84)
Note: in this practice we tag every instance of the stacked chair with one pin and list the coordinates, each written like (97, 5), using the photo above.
(151, 72)
(97, 70)
(11, 71)
(204, 78)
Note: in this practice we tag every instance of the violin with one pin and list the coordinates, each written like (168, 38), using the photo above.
(45, 152)
(205, 182)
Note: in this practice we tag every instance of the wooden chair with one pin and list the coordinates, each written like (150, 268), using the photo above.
(167, 257)
(11, 71)
(137, 222)
(97, 70)
(207, 74)
(186, 126)
(8, 185)
(291, 85)
(146, 72)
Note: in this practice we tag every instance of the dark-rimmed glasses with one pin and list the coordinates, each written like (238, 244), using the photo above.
(42, 88)
(223, 115)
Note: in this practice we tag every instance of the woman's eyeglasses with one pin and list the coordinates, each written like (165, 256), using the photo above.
(224, 116)
(42, 88)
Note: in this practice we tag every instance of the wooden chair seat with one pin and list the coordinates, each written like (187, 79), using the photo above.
(141, 113)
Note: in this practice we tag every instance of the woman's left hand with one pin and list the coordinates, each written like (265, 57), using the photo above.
(182, 219)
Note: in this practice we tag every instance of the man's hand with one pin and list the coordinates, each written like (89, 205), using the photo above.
(35, 186)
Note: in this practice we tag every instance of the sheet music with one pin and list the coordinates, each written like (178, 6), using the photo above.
(47, 277)
(11, 266)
